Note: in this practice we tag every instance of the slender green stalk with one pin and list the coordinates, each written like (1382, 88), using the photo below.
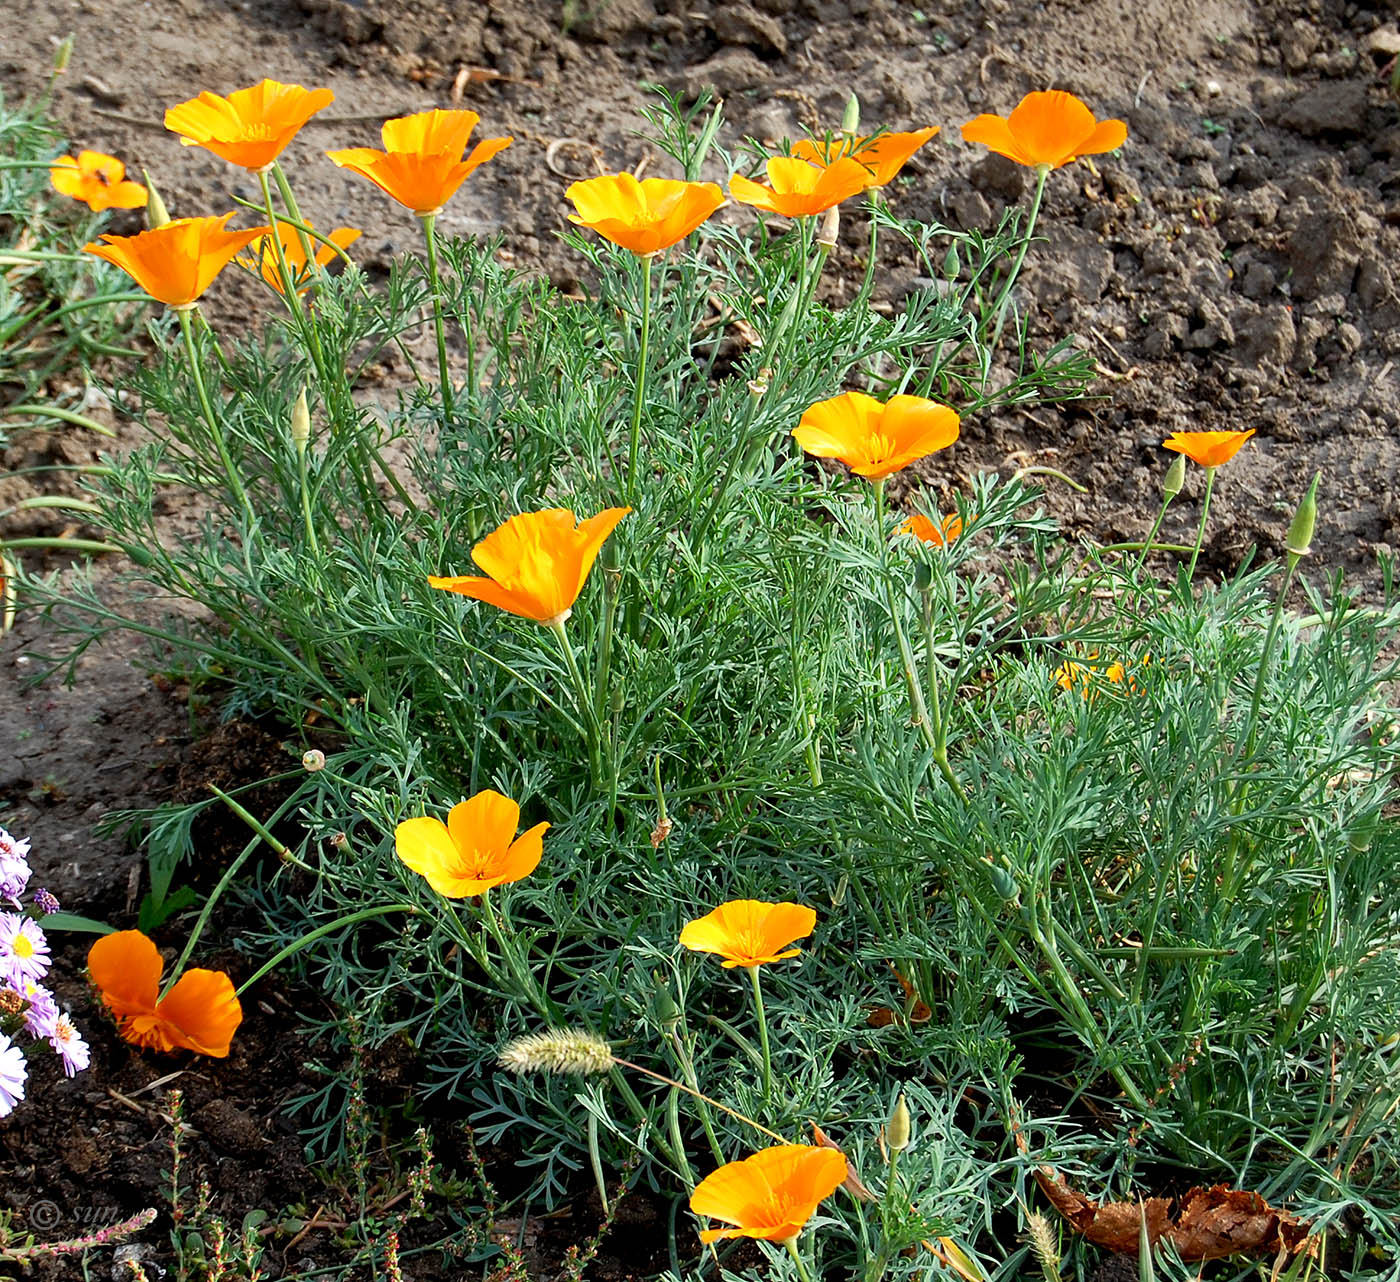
(791, 1244)
(1151, 538)
(936, 714)
(519, 972)
(906, 652)
(284, 268)
(215, 431)
(713, 1103)
(687, 1063)
(429, 222)
(592, 722)
(644, 342)
(1201, 529)
(1004, 298)
(762, 1034)
(313, 935)
(289, 200)
(63, 416)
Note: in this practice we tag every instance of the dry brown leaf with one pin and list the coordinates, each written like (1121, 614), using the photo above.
(1209, 1224)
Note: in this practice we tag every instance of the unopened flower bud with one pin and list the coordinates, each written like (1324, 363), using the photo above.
(1300, 532)
(1176, 477)
(313, 760)
(301, 422)
(952, 264)
(923, 575)
(63, 55)
(156, 213)
(850, 118)
(663, 1006)
(1003, 883)
(46, 901)
(831, 227)
(897, 1128)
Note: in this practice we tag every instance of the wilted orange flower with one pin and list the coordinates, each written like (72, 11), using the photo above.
(644, 216)
(537, 562)
(98, 180)
(474, 850)
(770, 1195)
(939, 536)
(421, 165)
(749, 932)
(883, 156)
(797, 188)
(1050, 129)
(176, 262)
(875, 439)
(263, 258)
(200, 1013)
(1209, 449)
(251, 126)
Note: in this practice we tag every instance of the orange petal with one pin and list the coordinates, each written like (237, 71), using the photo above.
(126, 967)
(201, 1012)
(483, 826)
(995, 133)
(1049, 126)
(1108, 135)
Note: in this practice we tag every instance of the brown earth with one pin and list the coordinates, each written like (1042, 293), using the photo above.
(1234, 266)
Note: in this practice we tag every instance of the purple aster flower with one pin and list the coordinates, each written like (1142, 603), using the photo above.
(24, 952)
(45, 901)
(14, 874)
(13, 1075)
(42, 1012)
(69, 1044)
(13, 847)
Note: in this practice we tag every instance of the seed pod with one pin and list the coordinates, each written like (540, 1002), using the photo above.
(923, 575)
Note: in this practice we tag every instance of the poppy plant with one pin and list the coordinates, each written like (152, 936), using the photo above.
(938, 536)
(537, 563)
(750, 932)
(770, 1195)
(422, 164)
(1209, 449)
(1047, 130)
(98, 180)
(645, 216)
(176, 262)
(796, 188)
(474, 850)
(263, 256)
(251, 127)
(883, 156)
(200, 1013)
(875, 439)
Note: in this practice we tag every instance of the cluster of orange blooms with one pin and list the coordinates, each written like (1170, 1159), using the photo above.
(536, 564)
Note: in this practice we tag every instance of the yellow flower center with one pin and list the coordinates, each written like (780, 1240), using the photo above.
(878, 447)
(24, 946)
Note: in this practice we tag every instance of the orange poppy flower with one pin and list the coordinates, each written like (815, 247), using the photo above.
(200, 1013)
(1049, 129)
(422, 163)
(749, 932)
(176, 262)
(98, 180)
(263, 258)
(797, 188)
(939, 536)
(537, 562)
(872, 439)
(1209, 449)
(251, 126)
(644, 216)
(770, 1195)
(474, 850)
(883, 156)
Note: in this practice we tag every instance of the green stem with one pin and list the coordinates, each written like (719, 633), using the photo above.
(867, 285)
(644, 342)
(1270, 638)
(791, 1244)
(1151, 538)
(713, 1103)
(1201, 529)
(429, 222)
(1004, 298)
(906, 652)
(303, 481)
(64, 416)
(234, 480)
(312, 936)
(762, 1035)
(585, 702)
(687, 1064)
(284, 268)
(940, 721)
(520, 973)
(290, 202)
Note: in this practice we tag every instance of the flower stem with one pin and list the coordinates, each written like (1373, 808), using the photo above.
(284, 268)
(791, 1244)
(290, 202)
(206, 405)
(520, 973)
(906, 652)
(429, 222)
(1201, 529)
(585, 702)
(1004, 298)
(644, 342)
(940, 721)
(714, 1103)
(762, 1034)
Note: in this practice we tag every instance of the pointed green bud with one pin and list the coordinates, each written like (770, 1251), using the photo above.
(897, 1129)
(63, 55)
(301, 422)
(923, 575)
(952, 264)
(850, 119)
(1299, 540)
(663, 1006)
(156, 213)
(1176, 477)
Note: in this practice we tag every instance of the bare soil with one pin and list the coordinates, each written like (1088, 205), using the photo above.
(1234, 266)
